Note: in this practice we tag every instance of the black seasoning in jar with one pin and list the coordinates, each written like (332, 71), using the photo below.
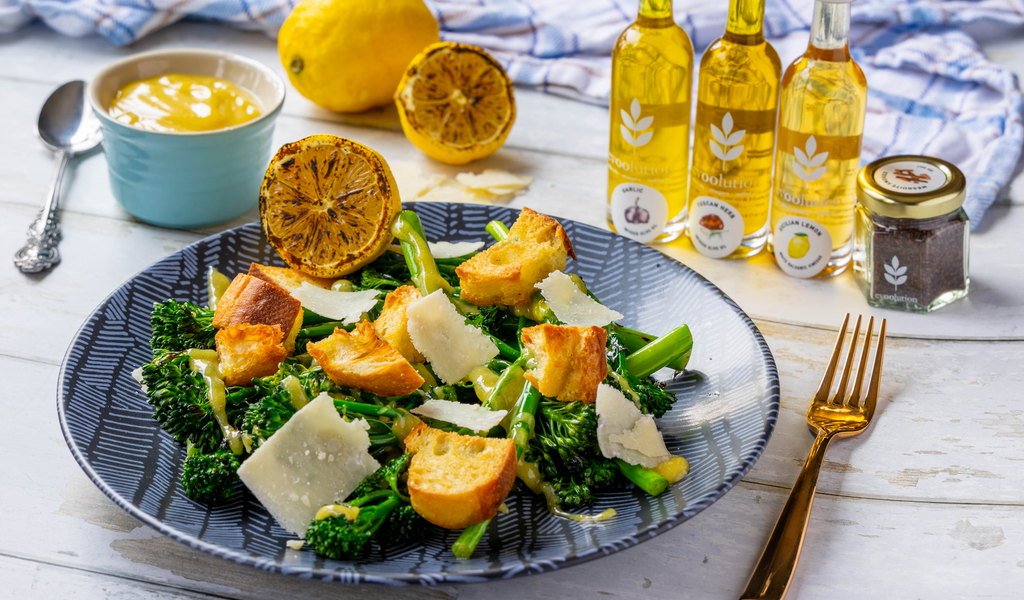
(911, 234)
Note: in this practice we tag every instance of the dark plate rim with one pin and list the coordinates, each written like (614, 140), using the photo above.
(353, 577)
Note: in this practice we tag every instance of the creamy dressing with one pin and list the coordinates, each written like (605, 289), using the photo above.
(337, 510)
(483, 380)
(216, 284)
(204, 362)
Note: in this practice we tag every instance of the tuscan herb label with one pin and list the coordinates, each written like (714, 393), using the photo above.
(639, 211)
(716, 227)
(910, 177)
(802, 247)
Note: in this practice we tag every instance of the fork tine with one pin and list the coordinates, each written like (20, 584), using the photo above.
(840, 397)
(826, 380)
(876, 374)
(855, 396)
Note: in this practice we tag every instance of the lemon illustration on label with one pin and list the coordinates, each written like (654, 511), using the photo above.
(799, 245)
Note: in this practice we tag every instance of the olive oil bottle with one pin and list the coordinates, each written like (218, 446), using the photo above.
(649, 147)
(734, 138)
(817, 157)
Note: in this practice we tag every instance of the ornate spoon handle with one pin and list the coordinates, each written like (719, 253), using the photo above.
(40, 251)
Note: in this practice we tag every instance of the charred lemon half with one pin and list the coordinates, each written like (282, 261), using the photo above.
(326, 205)
(455, 103)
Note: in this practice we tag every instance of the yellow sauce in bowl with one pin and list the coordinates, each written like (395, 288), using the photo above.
(183, 103)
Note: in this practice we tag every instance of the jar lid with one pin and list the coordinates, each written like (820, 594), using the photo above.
(911, 187)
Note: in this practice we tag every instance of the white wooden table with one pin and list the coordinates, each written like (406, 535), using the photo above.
(927, 504)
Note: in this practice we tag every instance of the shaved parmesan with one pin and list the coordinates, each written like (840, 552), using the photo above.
(412, 182)
(470, 416)
(440, 334)
(571, 305)
(625, 432)
(316, 458)
(347, 307)
(453, 249)
(495, 181)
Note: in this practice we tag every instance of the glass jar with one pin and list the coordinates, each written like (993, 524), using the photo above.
(911, 234)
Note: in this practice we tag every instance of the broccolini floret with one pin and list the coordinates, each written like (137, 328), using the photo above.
(650, 396)
(178, 326)
(209, 477)
(384, 514)
(181, 404)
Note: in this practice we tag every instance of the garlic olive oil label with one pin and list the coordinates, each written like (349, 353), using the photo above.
(734, 133)
(648, 149)
(639, 211)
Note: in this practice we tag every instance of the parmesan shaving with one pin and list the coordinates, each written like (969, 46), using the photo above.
(493, 185)
(625, 432)
(347, 307)
(571, 305)
(440, 334)
(314, 459)
(470, 416)
(453, 249)
(495, 181)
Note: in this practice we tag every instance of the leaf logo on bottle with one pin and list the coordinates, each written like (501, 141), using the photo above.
(808, 165)
(726, 138)
(894, 274)
(635, 124)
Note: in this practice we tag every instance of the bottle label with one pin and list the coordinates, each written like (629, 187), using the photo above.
(639, 211)
(802, 246)
(716, 227)
(910, 177)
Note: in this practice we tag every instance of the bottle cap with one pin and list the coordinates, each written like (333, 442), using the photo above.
(911, 187)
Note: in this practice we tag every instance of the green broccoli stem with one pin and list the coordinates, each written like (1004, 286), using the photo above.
(660, 352)
(521, 426)
(498, 230)
(506, 351)
(425, 275)
(645, 479)
(372, 410)
(634, 340)
(324, 329)
(468, 539)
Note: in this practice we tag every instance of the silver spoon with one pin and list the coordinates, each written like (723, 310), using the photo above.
(68, 127)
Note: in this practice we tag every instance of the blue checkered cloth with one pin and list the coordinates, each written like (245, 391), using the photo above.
(932, 91)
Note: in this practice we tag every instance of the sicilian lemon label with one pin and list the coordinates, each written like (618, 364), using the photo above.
(716, 227)
(639, 211)
(802, 246)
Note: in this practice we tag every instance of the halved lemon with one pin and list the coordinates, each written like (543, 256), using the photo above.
(455, 103)
(327, 204)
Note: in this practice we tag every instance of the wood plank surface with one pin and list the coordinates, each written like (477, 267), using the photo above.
(927, 502)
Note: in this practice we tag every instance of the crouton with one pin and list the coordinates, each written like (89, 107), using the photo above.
(393, 326)
(257, 302)
(507, 272)
(458, 480)
(245, 351)
(363, 360)
(571, 361)
(289, 279)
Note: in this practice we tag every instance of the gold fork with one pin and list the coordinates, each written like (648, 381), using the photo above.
(840, 416)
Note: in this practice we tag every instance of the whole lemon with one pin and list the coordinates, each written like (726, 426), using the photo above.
(348, 55)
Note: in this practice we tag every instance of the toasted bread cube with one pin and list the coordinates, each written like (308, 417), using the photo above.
(288, 279)
(246, 351)
(571, 361)
(507, 272)
(393, 326)
(257, 302)
(458, 480)
(363, 360)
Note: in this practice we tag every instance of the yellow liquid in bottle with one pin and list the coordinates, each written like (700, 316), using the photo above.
(182, 103)
(821, 122)
(734, 138)
(649, 149)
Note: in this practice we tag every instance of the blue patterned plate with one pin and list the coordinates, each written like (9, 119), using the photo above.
(726, 409)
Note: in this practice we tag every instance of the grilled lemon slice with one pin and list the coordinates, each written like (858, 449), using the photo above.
(327, 204)
(455, 103)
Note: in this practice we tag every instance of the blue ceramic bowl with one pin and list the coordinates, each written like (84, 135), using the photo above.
(188, 179)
